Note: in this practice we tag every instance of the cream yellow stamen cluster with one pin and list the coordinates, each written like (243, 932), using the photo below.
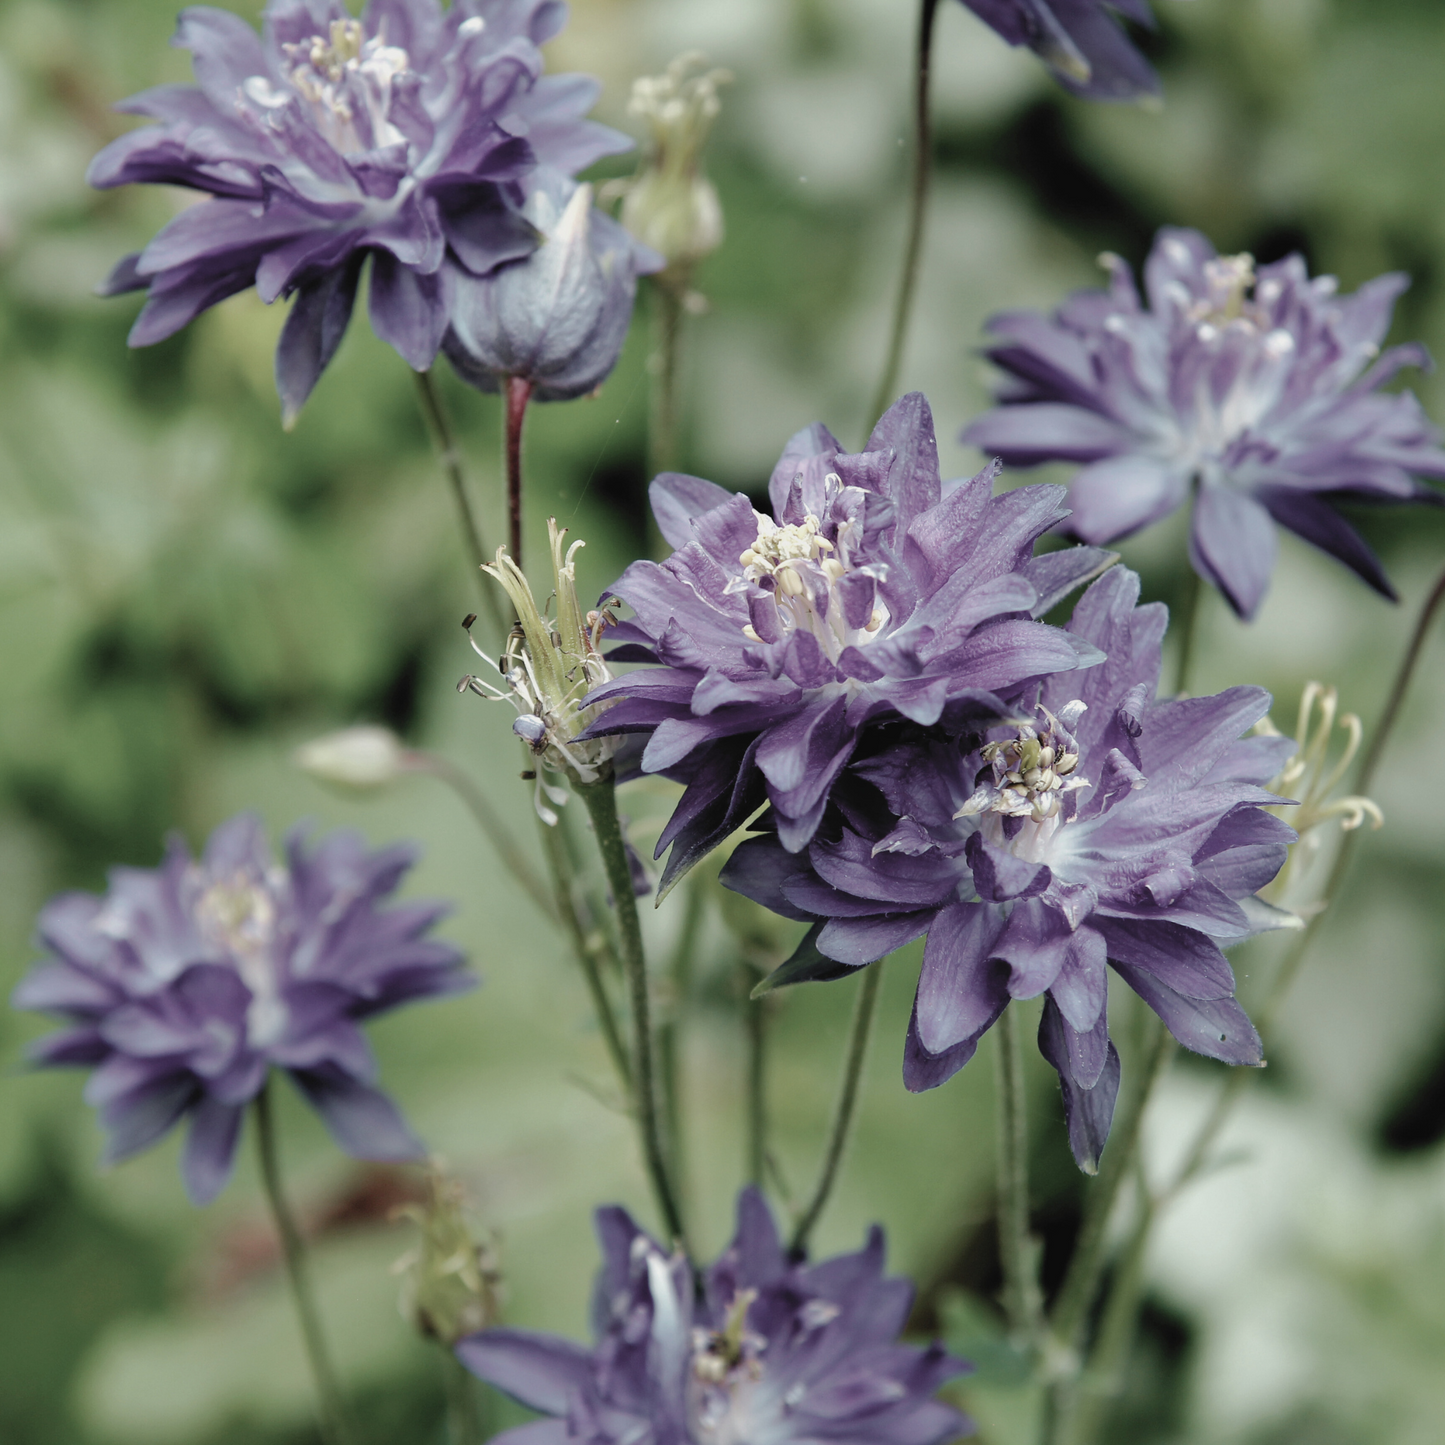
(322, 69)
(1031, 772)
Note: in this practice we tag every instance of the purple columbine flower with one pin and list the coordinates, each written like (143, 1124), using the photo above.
(555, 319)
(403, 135)
(187, 983)
(1258, 395)
(1101, 827)
(1079, 40)
(872, 591)
(771, 1352)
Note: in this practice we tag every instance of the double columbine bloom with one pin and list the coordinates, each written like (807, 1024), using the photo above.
(1100, 828)
(1258, 394)
(769, 1351)
(186, 984)
(412, 135)
(868, 594)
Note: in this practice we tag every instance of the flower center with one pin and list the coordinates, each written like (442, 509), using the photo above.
(801, 568)
(238, 914)
(1227, 281)
(346, 80)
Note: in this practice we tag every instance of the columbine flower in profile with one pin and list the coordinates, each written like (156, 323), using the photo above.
(556, 319)
(186, 984)
(1256, 394)
(550, 667)
(1310, 777)
(1098, 827)
(669, 203)
(869, 593)
(770, 1351)
(403, 135)
(1079, 40)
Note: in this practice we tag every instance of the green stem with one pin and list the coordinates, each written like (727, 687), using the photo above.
(864, 1006)
(1081, 1281)
(490, 822)
(1018, 1250)
(662, 430)
(334, 1427)
(669, 1032)
(600, 799)
(917, 211)
(1102, 1379)
(589, 944)
(516, 393)
(466, 1424)
(756, 1020)
(449, 454)
(1189, 631)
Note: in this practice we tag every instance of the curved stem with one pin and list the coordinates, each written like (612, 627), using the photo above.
(917, 212)
(333, 1417)
(756, 1019)
(864, 1006)
(1189, 631)
(1017, 1248)
(490, 822)
(669, 1032)
(667, 316)
(601, 802)
(465, 1423)
(450, 457)
(1081, 1282)
(590, 946)
(516, 394)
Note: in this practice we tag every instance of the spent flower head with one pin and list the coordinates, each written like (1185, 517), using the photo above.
(1252, 396)
(1309, 778)
(450, 1280)
(669, 203)
(186, 984)
(364, 758)
(551, 665)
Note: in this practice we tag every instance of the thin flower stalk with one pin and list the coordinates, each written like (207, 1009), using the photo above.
(865, 1005)
(335, 1428)
(1018, 1249)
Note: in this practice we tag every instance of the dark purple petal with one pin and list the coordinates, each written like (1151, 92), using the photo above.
(1088, 1111)
(1038, 432)
(961, 988)
(362, 1120)
(409, 311)
(924, 1070)
(541, 1371)
(1312, 517)
(1234, 544)
(1185, 959)
(856, 941)
(1117, 496)
(1217, 1028)
(679, 500)
(311, 335)
(999, 876)
(210, 1151)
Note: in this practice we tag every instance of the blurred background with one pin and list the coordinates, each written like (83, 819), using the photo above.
(187, 593)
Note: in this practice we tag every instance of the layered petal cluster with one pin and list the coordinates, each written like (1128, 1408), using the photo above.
(406, 135)
(1079, 40)
(872, 592)
(186, 984)
(1259, 396)
(1102, 829)
(769, 1352)
(557, 318)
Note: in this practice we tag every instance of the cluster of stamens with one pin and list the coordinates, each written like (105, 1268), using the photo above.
(1030, 771)
(789, 561)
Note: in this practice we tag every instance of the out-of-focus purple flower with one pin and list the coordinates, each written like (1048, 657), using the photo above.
(1253, 394)
(187, 983)
(876, 592)
(772, 1351)
(557, 318)
(1079, 41)
(1104, 827)
(404, 135)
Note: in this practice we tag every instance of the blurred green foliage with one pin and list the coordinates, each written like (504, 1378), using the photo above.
(186, 593)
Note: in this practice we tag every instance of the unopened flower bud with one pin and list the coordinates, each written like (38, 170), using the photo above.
(450, 1280)
(670, 204)
(359, 757)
